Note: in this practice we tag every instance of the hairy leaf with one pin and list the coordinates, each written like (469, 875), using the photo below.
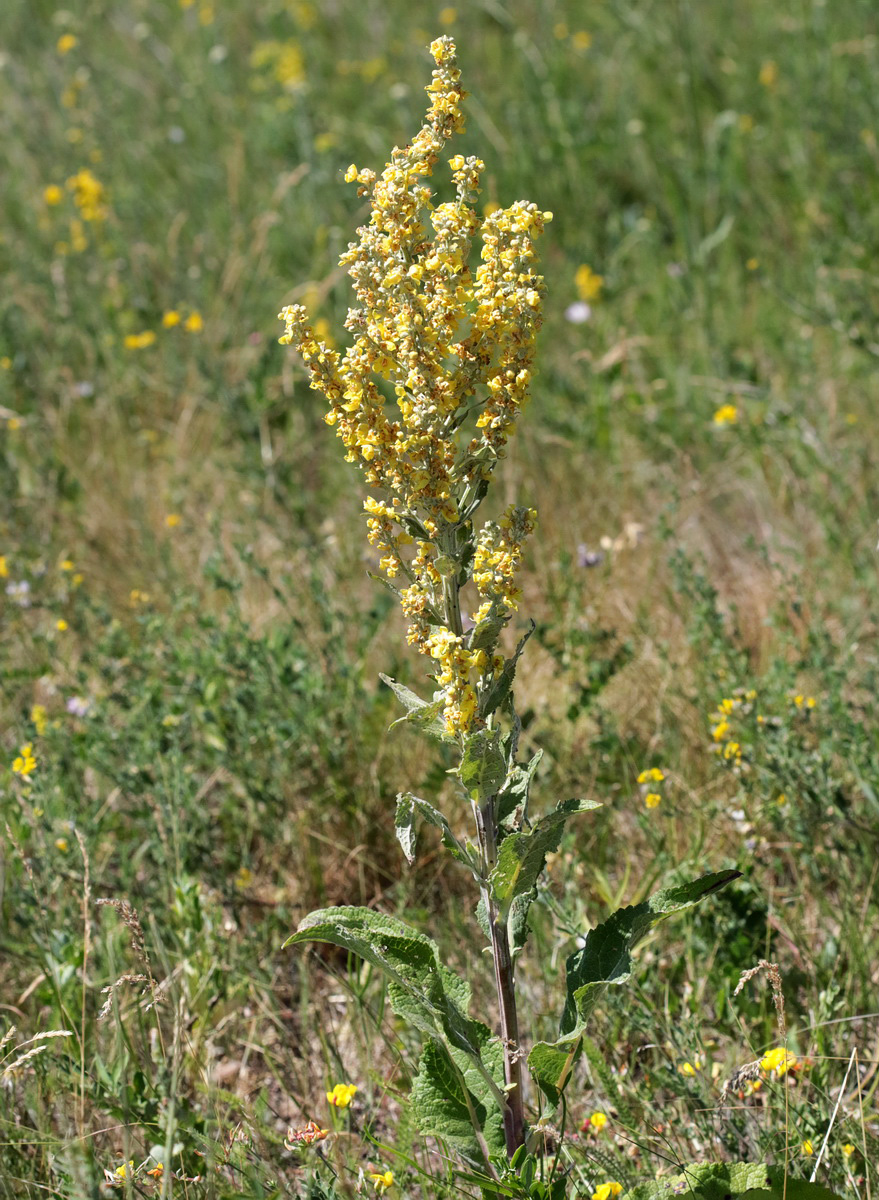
(502, 686)
(606, 959)
(408, 808)
(483, 768)
(420, 712)
(452, 1101)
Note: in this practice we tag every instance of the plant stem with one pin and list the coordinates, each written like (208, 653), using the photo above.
(514, 1112)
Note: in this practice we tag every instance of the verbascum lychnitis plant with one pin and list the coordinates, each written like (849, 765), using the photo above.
(425, 400)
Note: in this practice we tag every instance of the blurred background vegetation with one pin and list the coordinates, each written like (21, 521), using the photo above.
(191, 645)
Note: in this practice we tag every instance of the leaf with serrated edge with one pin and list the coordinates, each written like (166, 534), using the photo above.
(424, 713)
(421, 989)
(453, 1103)
(500, 688)
(513, 796)
(606, 959)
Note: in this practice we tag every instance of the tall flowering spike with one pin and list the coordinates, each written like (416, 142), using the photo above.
(454, 349)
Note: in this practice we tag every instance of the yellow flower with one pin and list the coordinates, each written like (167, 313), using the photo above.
(381, 1181)
(769, 74)
(652, 775)
(121, 1172)
(588, 284)
(170, 319)
(25, 763)
(65, 565)
(157, 1171)
(605, 1191)
(581, 40)
(342, 1095)
(61, 625)
(727, 414)
(779, 1060)
(66, 43)
(448, 16)
(732, 750)
(243, 878)
(139, 341)
(53, 195)
(4, 569)
(598, 1120)
(5, 362)
(808, 1148)
(690, 1068)
(752, 264)
(720, 730)
(193, 323)
(39, 718)
(652, 799)
(62, 845)
(77, 579)
(173, 520)
(848, 1149)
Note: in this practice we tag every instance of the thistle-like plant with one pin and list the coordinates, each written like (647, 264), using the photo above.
(454, 348)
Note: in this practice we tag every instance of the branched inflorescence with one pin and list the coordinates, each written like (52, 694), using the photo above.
(455, 349)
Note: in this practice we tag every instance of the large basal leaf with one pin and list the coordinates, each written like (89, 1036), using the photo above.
(408, 808)
(452, 1101)
(606, 959)
(422, 990)
(722, 1181)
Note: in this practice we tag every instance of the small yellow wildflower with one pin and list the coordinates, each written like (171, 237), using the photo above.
(4, 569)
(848, 1149)
(779, 1060)
(158, 1171)
(193, 323)
(587, 283)
(342, 1095)
(5, 362)
(243, 878)
(66, 43)
(121, 1172)
(53, 195)
(62, 845)
(727, 414)
(581, 40)
(804, 701)
(139, 341)
(769, 74)
(781, 799)
(13, 423)
(720, 730)
(173, 520)
(598, 1120)
(65, 565)
(605, 1191)
(77, 579)
(61, 625)
(732, 750)
(448, 16)
(39, 718)
(381, 1181)
(808, 1148)
(25, 763)
(170, 318)
(752, 264)
(652, 775)
(690, 1068)
(137, 597)
(652, 799)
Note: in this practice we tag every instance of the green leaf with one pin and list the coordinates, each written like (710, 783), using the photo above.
(408, 806)
(419, 712)
(512, 799)
(452, 1101)
(486, 633)
(721, 1181)
(606, 959)
(483, 767)
(522, 856)
(501, 687)
(422, 990)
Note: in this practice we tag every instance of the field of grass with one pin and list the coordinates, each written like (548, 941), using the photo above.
(193, 727)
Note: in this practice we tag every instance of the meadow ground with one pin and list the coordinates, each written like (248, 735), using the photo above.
(191, 716)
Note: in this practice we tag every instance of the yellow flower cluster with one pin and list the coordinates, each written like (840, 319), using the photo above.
(89, 195)
(455, 348)
(25, 763)
(606, 1191)
(780, 1061)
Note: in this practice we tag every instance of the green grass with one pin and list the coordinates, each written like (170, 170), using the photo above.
(717, 165)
